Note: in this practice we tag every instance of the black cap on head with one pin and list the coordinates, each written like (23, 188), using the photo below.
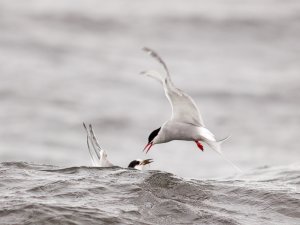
(133, 164)
(153, 135)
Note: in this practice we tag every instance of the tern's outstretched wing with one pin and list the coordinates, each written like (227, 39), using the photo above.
(184, 109)
(98, 156)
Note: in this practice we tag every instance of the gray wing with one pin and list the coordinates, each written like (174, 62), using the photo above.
(184, 109)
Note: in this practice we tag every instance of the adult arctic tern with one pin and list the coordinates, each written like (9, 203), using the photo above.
(99, 155)
(186, 122)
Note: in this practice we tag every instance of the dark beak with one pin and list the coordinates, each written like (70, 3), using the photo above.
(147, 147)
(146, 161)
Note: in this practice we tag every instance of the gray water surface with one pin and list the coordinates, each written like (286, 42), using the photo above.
(42, 194)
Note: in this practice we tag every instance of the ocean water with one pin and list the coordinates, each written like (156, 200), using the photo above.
(43, 194)
(71, 61)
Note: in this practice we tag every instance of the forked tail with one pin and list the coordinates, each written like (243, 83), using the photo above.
(216, 145)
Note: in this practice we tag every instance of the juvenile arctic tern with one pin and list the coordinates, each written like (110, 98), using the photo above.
(99, 156)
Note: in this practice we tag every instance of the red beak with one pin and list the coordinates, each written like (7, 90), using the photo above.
(147, 147)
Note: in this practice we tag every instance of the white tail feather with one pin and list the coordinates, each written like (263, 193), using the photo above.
(216, 145)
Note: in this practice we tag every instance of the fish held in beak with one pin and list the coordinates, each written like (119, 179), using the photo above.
(146, 161)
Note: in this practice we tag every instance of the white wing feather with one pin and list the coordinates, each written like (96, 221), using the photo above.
(183, 106)
(98, 156)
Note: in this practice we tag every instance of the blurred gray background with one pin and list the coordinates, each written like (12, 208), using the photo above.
(68, 61)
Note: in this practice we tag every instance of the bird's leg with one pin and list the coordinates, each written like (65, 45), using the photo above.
(200, 146)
